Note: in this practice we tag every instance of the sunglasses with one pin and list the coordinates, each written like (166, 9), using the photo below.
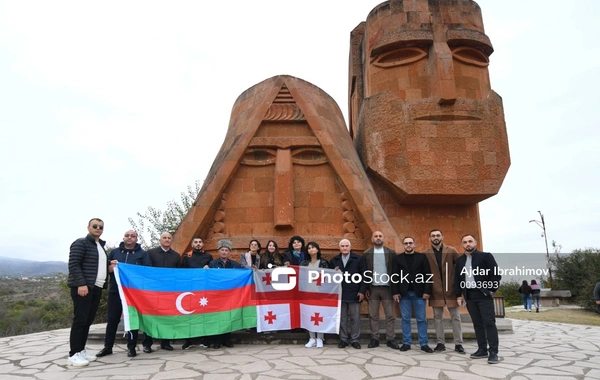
(97, 227)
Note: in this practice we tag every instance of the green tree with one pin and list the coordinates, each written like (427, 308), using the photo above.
(510, 291)
(154, 222)
(578, 272)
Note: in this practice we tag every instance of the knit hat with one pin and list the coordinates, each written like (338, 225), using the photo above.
(224, 243)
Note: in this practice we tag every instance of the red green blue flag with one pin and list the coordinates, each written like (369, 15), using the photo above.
(170, 303)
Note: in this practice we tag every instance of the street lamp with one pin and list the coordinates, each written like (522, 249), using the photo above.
(542, 224)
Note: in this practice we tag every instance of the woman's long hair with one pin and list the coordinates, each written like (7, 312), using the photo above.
(266, 258)
(313, 244)
(291, 244)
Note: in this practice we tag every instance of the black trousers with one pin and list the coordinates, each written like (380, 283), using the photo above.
(115, 309)
(148, 341)
(84, 312)
(481, 310)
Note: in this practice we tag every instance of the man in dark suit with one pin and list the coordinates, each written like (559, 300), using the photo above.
(378, 260)
(411, 286)
(476, 281)
(352, 293)
(164, 257)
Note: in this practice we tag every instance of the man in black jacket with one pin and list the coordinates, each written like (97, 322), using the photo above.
(163, 257)
(411, 287)
(88, 275)
(476, 281)
(129, 252)
(197, 258)
(353, 292)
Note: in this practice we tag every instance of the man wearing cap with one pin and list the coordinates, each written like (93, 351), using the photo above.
(224, 248)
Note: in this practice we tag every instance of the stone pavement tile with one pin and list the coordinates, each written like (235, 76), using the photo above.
(57, 376)
(452, 375)
(133, 376)
(305, 377)
(440, 365)
(547, 377)
(489, 371)
(551, 363)
(327, 361)
(593, 374)
(301, 361)
(8, 368)
(25, 372)
(542, 371)
(260, 377)
(253, 367)
(12, 377)
(517, 361)
(421, 373)
(42, 358)
(587, 364)
(356, 360)
(376, 370)
(340, 372)
(177, 374)
(283, 365)
(275, 374)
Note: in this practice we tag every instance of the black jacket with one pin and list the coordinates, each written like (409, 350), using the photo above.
(136, 256)
(83, 262)
(162, 259)
(289, 256)
(419, 275)
(483, 262)
(322, 263)
(198, 260)
(355, 264)
(218, 263)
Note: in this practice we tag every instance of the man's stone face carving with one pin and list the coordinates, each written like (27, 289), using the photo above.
(427, 105)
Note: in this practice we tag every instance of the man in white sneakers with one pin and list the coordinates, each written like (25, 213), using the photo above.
(88, 275)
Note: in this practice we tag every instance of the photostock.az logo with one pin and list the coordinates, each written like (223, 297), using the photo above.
(282, 271)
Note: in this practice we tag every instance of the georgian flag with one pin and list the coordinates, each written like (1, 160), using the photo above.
(313, 303)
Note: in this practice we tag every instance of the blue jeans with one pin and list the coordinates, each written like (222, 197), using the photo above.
(406, 304)
(526, 301)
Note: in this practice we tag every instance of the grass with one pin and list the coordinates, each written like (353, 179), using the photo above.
(571, 316)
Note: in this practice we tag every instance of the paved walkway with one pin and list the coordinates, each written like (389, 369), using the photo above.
(536, 350)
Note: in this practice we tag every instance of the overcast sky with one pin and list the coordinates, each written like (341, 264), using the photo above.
(109, 107)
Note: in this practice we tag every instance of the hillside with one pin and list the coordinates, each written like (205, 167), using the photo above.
(17, 268)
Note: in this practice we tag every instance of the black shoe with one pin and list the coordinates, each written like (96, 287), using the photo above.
(440, 347)
(393, 344)
(342, 344)
(186, 345)
(356, 345)
(493, 358)
(166, 346)
(373, 343)
(131, 352)
(228, 344)
(147, 349)
(216, 346)
(405, 347)
(103, 352)
(479, 354)
(458, 348)
(427, 349)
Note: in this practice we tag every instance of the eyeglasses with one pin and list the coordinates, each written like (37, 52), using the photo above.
(409, 243)
(130, 235)
(438, 235)
(97, 227)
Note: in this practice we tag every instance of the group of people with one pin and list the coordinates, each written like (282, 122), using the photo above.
(439, 275)
(530, 295)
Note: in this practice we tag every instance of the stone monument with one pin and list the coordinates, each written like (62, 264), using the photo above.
(426, 142)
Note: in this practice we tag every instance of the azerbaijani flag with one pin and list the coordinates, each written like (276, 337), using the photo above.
(177, 303)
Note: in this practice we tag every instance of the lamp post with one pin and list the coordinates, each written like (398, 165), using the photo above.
(542, 224)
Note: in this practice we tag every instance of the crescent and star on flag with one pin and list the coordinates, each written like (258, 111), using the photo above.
(203, 302)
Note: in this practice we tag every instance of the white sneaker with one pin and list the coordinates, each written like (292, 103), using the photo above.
(86, 356)
(311, 343)
(77, 361)
(319, 343)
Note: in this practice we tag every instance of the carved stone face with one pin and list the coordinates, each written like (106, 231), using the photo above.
(421, 94)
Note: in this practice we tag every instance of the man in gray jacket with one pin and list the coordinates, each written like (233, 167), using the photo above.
(378, 260)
